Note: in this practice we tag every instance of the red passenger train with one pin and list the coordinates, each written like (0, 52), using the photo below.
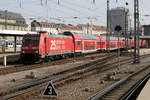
(44, 46)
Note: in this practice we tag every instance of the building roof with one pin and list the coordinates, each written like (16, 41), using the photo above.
(14, 16)
(94, 27)
(10, 15)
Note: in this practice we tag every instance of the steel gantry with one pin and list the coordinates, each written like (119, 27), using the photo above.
(136, 32)
(108, 27)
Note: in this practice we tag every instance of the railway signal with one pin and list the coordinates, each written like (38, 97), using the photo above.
(118, 28)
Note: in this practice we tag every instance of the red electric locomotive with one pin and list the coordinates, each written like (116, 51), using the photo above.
(44, 46)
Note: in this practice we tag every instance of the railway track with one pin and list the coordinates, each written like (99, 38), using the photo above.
(121, 89)
(19, 67)
(60, 78)
(23, 90)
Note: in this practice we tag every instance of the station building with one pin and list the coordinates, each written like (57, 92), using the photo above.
(146, 35)
(11, 21)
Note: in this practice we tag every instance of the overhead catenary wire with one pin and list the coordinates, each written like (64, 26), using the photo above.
(78, 11)
(64, 6)
(20, 4)
(58, 2)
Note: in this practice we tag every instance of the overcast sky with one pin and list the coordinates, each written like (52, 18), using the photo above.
(72, 11)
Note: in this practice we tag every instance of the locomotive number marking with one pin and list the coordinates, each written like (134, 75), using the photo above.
(57, 44)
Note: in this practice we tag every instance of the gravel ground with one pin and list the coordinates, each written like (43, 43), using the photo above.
(77, 90)
(19, 77)
(84, 88)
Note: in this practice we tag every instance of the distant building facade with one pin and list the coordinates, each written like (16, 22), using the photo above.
(98, 29)
(146, 30)
(71, 28)
(60, 28)
(44, 26)
(119, 16)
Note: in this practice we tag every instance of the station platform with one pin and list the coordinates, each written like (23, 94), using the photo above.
(8, 54)
(143, 51)
(11, 57)
(145, 93)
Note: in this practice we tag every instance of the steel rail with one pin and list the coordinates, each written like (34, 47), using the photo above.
(50, 78)
(100, 94)
(104, 92)
(133, 90)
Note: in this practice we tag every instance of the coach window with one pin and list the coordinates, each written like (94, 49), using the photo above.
(112, 46)
(79, 42)
(98, 43)
(103, 43)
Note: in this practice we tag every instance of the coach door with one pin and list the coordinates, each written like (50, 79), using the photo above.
(45, 42)
(78, 45)
(83, 46)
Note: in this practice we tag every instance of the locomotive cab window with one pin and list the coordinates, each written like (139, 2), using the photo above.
(31, 38)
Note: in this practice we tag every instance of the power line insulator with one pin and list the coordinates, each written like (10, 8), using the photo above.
(46, 2)
(93, 1)
(58, 2)
(20, 4)
(41, 3)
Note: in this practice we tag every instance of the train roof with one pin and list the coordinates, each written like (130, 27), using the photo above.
(50, 35)
(83, 36)
(113, 38)
(58, 36)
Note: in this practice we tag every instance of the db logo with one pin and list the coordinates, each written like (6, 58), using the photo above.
(53, 45)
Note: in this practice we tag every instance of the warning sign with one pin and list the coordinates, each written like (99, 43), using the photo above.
(50, 90)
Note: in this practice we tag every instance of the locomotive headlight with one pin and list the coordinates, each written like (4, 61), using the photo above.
(35, 48)
(36, 52)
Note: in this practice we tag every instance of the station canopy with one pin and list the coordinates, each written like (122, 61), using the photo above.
(14, 33)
